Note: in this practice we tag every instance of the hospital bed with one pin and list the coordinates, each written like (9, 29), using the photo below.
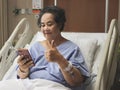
(99, 50)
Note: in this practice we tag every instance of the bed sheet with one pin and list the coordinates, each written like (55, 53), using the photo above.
(11, 73)
(31, 84)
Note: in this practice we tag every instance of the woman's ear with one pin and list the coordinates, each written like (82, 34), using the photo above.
(60, 26)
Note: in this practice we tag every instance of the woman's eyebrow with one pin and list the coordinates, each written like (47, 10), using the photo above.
(47, 22)
(50, 22)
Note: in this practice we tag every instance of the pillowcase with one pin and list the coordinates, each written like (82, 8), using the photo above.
(88, 46)
(37, 37)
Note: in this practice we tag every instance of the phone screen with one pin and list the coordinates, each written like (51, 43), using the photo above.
(25, 53)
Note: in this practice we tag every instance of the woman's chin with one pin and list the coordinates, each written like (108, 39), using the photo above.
(48, 38)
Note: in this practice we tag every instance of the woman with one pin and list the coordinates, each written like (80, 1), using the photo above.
(56, 58)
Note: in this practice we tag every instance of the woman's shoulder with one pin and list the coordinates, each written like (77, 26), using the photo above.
(71, 43)
(36, 44)
(68, 45)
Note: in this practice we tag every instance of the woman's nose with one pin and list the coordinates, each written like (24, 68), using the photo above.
(45, 27)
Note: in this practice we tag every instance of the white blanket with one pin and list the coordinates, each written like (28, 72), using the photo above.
(27, 84)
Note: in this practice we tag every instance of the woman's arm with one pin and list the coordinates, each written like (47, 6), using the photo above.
(22, 74)
(71, 74)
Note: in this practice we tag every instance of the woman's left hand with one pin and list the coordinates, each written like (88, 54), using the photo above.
(52, 54)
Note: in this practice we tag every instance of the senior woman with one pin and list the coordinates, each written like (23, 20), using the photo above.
(56, 58)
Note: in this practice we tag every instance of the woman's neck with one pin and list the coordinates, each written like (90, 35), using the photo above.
(58, 40)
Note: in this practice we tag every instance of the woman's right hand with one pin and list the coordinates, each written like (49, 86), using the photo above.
(24, 65)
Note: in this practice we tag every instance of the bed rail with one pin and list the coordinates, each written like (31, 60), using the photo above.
(8, 51)
(107, 69)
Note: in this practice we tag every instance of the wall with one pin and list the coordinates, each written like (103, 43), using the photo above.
(20, 4)
(3, 22)
(113, 9)
(82, 15)
(119, 16)
(87, 15)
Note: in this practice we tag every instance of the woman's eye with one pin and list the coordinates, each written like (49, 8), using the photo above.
(50, 24)
(42, 25)
(47, 24)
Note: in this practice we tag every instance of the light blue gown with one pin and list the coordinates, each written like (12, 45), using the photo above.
(50, 70)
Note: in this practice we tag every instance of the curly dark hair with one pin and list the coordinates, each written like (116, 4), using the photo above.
(58, 13)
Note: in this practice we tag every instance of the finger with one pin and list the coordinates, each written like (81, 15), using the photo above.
(30, 64)
(53, 44)
(23, 62)
(46, 54)
(20, 58)
(49, 44)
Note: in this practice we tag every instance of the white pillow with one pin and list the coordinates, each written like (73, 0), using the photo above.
(88, 46)
(37, 37)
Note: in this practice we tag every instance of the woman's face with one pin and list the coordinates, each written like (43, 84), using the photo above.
(49, 27)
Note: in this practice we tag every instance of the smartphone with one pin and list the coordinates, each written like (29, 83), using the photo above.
(25, 53)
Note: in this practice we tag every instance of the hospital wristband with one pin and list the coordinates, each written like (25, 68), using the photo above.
(69, 67)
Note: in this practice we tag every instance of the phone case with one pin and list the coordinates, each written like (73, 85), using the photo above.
(25, 53)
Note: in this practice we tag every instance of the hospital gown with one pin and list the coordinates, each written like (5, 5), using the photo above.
(50, 70)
